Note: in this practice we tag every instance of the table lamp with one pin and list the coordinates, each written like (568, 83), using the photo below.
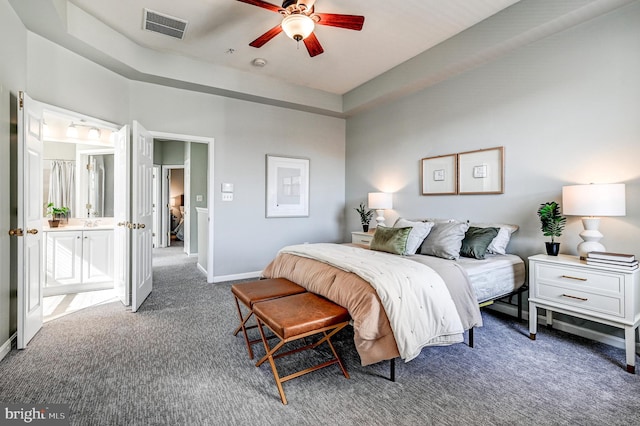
(592, 201)
(379, 201)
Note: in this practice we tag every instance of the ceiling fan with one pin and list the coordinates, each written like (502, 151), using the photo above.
(299, 22)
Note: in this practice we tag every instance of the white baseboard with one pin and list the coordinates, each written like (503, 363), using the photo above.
(201, 269)
(615, 341)
(233, 277)
(6, 347)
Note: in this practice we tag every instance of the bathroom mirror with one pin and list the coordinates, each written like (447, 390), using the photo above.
(80, 177)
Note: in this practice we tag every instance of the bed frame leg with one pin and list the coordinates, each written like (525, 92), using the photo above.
(392, 369)
(471, 337)
(520, 306)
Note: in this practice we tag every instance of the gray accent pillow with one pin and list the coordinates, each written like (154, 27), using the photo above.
(391, 240)
(476, 241)
(418, 233)
(445, 240)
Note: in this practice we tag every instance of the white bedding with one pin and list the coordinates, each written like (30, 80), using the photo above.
(495, 276)
(399, 283)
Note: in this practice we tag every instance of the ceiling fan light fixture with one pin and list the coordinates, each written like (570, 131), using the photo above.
(298, 26)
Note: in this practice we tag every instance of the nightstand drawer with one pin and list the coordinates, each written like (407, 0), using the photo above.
(584, 299)
(363, 238)
(581, 279)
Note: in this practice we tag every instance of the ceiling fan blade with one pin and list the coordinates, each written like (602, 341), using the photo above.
(313, 45)
(350, 22)
(260, 41)
(263, 4)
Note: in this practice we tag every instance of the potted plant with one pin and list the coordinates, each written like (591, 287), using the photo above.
(552, 225)
(55, 214)
(365, 216)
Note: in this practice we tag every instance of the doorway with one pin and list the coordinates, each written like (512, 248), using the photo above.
(173, 224)
(194, 156)
(29, 215)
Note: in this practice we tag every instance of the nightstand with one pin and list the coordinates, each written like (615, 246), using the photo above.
(364, 238)
(568, 285)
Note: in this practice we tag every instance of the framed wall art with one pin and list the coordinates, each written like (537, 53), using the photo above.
(439, 175)
(481, 171)
(287, 187)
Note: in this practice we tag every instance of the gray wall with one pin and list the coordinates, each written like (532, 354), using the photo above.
(168, 152)
(244, 133)
(199, 165)
(565, 109)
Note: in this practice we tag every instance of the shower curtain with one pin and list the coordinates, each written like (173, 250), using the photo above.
(62, 184)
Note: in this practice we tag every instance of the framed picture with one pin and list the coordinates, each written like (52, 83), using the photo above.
(439, 175)
(287, 192)
(481, 172)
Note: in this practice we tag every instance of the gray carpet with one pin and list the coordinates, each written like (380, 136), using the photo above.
(175, 362)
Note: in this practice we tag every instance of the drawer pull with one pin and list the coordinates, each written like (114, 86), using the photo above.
(575, 297)
(573, 278)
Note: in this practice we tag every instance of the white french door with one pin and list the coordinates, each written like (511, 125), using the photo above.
(121, 215)
(30, 268)
(141, 215)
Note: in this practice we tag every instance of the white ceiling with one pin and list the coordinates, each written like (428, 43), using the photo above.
(393, 32)
(404, 46)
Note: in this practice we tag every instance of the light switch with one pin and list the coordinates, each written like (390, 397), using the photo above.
(227, 187)
(198, 197)
(227, 196)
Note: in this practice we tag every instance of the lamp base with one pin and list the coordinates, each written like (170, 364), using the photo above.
(380, 218)
(591, 237)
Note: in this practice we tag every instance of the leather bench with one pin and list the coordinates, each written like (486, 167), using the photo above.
(295, 317)
(249, 293)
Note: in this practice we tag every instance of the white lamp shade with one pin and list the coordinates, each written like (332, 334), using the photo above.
(594, 200)
(380, 200)
(298, 26)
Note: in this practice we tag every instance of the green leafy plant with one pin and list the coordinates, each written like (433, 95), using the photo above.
(365, 215)
(552, 222)
(55, 212)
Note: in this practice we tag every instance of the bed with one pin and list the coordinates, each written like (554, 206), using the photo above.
(348, 275)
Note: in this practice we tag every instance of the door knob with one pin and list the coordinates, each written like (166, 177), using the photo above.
(32, 231)
(16, 232)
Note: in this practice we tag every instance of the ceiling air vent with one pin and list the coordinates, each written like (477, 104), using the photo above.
(164, 24)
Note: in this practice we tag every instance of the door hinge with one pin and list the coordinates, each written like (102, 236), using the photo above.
(21, 95)
(89, 166)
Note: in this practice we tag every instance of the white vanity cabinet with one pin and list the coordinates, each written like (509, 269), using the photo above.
(63, 257)
(97, 256)
(78, 260)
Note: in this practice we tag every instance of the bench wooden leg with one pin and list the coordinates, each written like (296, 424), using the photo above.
(243, 327)
(271, 353)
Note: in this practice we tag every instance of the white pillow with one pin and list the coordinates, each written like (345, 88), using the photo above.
(499, 244)
(418, 233)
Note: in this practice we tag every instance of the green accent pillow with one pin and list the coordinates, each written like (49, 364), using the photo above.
(476, 240)
(391, 240)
